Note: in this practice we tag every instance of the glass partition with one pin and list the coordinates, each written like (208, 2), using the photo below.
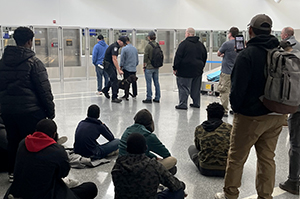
(141, 40)
(219, 37)
(165, 38)
(277, 34)
(180, 36)
(204, 37)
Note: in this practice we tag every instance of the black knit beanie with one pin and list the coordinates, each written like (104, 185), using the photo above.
(46, 126)
(144, 117)
(136, 144)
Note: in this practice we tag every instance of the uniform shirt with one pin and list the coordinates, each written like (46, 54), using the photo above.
(229, 52)
(113, 49)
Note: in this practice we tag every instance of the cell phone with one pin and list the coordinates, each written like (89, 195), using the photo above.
(239, 43)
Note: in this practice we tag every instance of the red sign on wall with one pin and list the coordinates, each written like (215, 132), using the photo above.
(161, 42)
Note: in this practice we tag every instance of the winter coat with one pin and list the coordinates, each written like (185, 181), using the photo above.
(24, 84)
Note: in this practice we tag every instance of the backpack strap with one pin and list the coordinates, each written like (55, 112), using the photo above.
(152, 44)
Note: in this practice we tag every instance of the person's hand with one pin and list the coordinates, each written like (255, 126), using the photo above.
(185, 194)
(175, 72)
(157, 158)
(121, 72)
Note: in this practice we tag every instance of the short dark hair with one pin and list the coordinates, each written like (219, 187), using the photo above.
(100, 37)
(152, 37)
(23, 35)
(136, 143)
(261, 32)
(46, 126)
(215, 110)
(93, 111)
(234, 31)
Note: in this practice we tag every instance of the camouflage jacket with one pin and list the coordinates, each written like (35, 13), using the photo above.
(213, 145)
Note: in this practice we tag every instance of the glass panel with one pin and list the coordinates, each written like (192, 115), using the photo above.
(204, 38)
(180, 36)
(119, 33)
(277, 34)
(141, 40)
(8, 33)
(219, 37)
(166, 41)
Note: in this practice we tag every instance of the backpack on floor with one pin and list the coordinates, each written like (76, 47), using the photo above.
(157, 56)
(282, 89)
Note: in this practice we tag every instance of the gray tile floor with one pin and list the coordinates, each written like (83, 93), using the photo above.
(175, 128)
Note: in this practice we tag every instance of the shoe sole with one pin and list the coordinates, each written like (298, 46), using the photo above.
(288, 190)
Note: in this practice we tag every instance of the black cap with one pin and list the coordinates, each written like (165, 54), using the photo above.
(151, 34)
(123, 39)
(261, 22)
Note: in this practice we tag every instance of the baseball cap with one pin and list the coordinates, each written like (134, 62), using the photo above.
(261, 22)
(123, 39)
(151, 34)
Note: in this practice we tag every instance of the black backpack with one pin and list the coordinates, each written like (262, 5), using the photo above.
(157, 56)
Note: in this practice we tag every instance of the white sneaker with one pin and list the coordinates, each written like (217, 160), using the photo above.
(61, 140)
(220, 195)
(98, 93)
(11, 177)
(70, 182)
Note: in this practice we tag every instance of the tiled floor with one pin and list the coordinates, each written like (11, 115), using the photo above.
(175, 128)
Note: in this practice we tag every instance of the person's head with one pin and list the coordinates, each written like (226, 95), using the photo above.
(136, 143)
(286, 33)
(151, 35)
(286, 45)
(215, 110)
(144, 118)
(122, 41)
(190, 32)
(233, 32)
(260, 24)
(23, 37)
(100, 37)
(93, 111)
(127, 40)
(48, 127)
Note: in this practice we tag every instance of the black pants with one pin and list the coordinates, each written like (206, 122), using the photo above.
(134, 85)
(110, 69)
(18, 126)
(87, 190)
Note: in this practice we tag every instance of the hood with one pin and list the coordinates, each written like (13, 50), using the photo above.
(193, 39)
(38, 141)
(265, 41)
(102, 43)
(211, 125)
(132, 164)
(15, 55)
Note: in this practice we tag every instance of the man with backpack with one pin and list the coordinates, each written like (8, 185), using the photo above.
(253, 123)
(153, 59)
(188, 67)
(291, 185)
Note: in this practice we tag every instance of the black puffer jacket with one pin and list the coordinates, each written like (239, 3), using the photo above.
(190, 58)
(24, 84)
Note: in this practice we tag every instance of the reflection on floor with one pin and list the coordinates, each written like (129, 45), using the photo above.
(175, 128)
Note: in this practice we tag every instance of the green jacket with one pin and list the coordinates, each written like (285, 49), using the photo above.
(153, 143)
(148, 55)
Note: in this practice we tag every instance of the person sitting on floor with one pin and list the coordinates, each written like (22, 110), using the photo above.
(87, 133)
(136, 176)
(211, 147)
(143, 124)
(41, 164)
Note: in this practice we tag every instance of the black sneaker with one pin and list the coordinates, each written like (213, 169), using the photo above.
(106, 94)
(156, 100)
(11, 177)
(179, 107)
(147, 101)
(116, 100)
(195, 106)
(290, 186)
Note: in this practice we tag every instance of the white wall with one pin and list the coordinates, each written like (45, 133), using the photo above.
(146, 14)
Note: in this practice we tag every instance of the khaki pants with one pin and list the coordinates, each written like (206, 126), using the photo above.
(224, 87)
(262, 132)
(168, 162)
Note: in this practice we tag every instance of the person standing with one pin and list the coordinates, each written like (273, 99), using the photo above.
(228, 53)
(150, 71)
(25, 91)
(111, 67)
(129, 62)
(253, 124)
(292, 183)
(190, 59)
(98, 56)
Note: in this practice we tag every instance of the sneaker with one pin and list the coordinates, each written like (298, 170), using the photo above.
(220, 195)
(70, 182)
(116, 100)
(98, 93)
(62, 140)
(179, 107)
(11, 177)
(147, 101)
(106, 94)
(290, 186)
(195, 106)
(173, 170)
(156, 100)
(225, 115)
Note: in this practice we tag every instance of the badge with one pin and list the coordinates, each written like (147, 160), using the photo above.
(115, 49)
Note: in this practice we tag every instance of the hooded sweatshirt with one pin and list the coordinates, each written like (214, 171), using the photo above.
(99, 52)
(24, 84)
(40, 166)
(190, 58)
(136, 176)
(248, 76)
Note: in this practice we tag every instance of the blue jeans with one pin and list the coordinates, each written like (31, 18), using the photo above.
(105, 149)
(149, 75)
(100, 72)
